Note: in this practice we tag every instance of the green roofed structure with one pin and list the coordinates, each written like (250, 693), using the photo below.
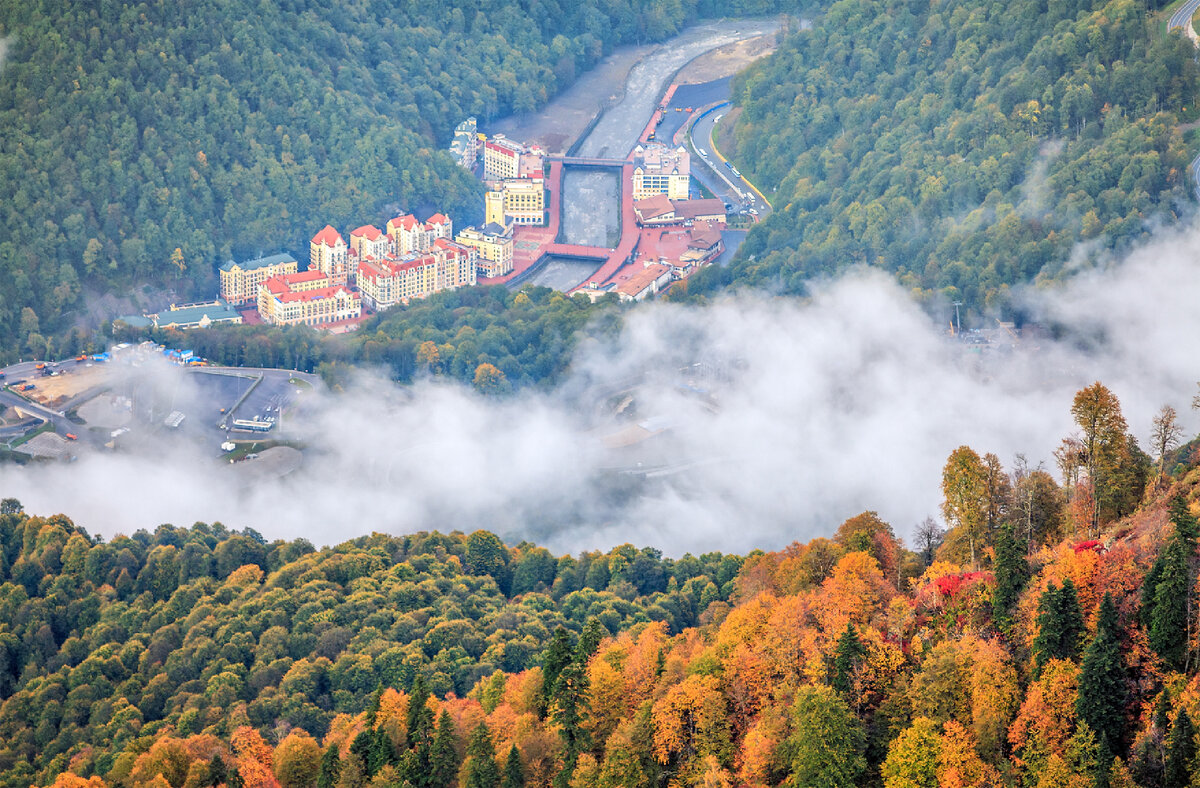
(202, 315)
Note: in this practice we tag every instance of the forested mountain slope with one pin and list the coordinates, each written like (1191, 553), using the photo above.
(965, 145)
(1047, 641)
(103, 644)
(130, 129)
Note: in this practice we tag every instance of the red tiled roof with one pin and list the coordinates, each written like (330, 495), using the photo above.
(654, 207)
(642, 279)
(407, 221)
(328, 237)
(370, 232)
(316, 295)
(690, 209)
(437, 218)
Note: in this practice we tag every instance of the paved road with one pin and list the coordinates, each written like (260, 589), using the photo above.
(1182, 18)
(712, 170)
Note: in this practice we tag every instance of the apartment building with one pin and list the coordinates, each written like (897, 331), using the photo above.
(240, 281)
(493, 244)
(309, 298)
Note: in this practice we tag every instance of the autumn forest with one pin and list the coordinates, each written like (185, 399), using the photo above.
(1045, 638)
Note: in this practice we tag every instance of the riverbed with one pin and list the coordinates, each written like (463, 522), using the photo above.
(629, 82)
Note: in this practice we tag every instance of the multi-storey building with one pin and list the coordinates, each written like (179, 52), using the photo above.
(392, 280)
(328, 253)
(501, 158)
(518, 200)
(494, 245)
(240, 281)
(408, 235)
(310, 298)
(658, 169)
(465, 146)
(369, 241)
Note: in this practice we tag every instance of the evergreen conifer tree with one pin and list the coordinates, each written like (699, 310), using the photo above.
(362, 745)
(420, 718)
(589, 640)
(1168, 619)
(1102, 690)
(217, 771)
(1181, 751)
(556, 657)
(482, 771)
(568, 712)
(1012, 574)
(848, 655)
(381, 752)
(514, 773)
(1172, 577)
(331, 768)
(1060, 625)
(233, 778)
(443, 757)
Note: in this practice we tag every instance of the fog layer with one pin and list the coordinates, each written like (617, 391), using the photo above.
(745, 424)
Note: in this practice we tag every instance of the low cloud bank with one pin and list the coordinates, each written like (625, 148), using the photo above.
(746, 424)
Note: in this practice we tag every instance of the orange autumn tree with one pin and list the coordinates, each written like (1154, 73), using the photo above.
(254, 758)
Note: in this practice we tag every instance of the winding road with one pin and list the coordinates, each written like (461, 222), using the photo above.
(717, 174)
(1182, 19)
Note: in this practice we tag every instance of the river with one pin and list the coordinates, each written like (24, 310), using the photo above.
(645, 72)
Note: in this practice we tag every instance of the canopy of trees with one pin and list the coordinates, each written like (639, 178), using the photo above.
(144, 143)
(964, 146)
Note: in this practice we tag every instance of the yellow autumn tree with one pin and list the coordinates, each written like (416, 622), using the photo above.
(691, 720)
(912, 758)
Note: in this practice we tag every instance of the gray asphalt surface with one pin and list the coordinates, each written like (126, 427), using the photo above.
(1183, 15)
(718, 178)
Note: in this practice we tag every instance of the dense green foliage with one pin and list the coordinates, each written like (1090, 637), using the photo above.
(131, 129)
(102, 642)
(530, 336)
(963, 145)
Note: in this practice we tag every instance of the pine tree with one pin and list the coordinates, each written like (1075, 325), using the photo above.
(381, 752)
(420, 718)
(1172, 581)
(514, 774)
(1071, 620)
(1181, 751)
(556, 657)
(848, 655)
(362, 745)
(589, 640)
(233, 778)
(373, 706)
(1168, 619)
(331, 768)
(1102, 690)
(568, 712)
(1012, 574)
(443, 757)
(217, 771)
(1060, 625)
(482, 771)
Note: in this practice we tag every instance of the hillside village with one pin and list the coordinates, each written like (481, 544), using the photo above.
(665, 236)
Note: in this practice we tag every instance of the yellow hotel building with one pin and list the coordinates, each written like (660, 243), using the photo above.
(494, 244)
(240, 281)
(310, 298)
